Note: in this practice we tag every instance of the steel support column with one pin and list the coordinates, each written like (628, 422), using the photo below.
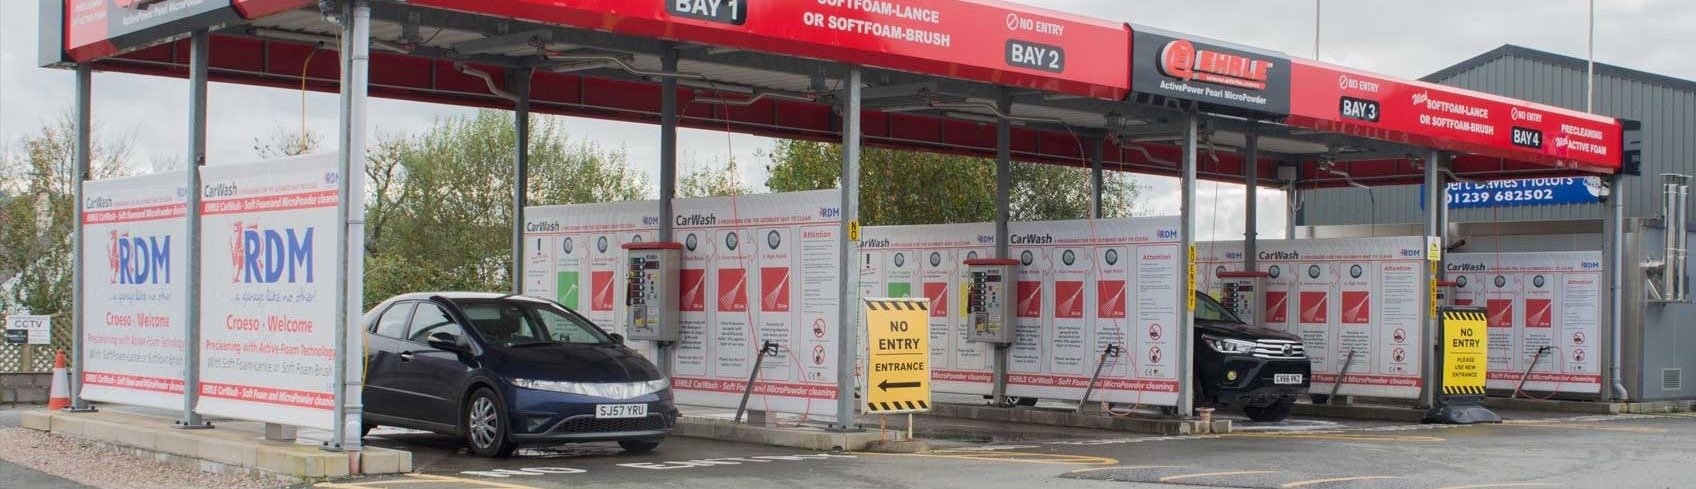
(847, 338)
(199, 57)
(350, 212)
(84, 103)
(1003, 214)
(668, 174)
(1186, 276)
(518, 83)
(668, 143)
(1251, 219)
(1097, 145)
(1433, 196)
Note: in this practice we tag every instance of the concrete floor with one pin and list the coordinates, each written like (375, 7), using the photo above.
(1529, 451)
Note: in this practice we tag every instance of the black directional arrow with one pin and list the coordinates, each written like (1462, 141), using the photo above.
(886, 385)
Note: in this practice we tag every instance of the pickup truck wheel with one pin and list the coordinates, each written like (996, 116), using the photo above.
(1270, 413)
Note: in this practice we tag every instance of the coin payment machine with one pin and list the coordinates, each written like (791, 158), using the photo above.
(990, 291)
(651, 290)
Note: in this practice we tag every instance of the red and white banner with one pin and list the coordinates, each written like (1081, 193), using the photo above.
(983, 40)
(268, 291)
(1341, 100)
(755, 268)
(1543, 308)
(1359, 295)
(135, 284)
(1075, 298)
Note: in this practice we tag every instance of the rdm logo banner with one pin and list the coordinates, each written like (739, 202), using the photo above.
(263, 255)
(134, 290)
(268, 292)
(1214, 73)
(139, 259)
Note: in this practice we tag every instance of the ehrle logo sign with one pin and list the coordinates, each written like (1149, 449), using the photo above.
(138, 260)
(1180, 59)
(268, 256)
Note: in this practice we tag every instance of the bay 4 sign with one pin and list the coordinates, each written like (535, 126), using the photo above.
(268, 296)
(134, 304)
(898, 355)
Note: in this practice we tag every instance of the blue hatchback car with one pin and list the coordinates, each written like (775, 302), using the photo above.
(503, 370)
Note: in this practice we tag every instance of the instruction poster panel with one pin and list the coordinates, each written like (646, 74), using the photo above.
(268, 291)
(1082, 285)
(1341, 296)
(755, 268)
(134, 290)
(1542, 309)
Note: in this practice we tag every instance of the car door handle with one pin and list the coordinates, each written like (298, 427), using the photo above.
(406, 356)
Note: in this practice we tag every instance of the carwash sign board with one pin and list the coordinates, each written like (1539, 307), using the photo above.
(1226, 78)
(982, 40)
(135, 284)
(1509, 193)
(1544, 316)
(1359, 295)
(1079, 287)
(268, 291)
(755, 268)
(83, 30)
(1335, 99)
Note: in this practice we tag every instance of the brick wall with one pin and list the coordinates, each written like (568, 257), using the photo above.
(25, 388)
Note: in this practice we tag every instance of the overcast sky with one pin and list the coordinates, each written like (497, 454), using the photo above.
(1395, 37)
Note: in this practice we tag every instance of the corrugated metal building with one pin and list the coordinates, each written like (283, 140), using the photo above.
(1665, 105)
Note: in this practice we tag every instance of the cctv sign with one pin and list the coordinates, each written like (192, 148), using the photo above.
(33, 330)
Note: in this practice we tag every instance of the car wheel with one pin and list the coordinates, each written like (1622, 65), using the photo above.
(486, 429)
(638, 446)
(1270, 413)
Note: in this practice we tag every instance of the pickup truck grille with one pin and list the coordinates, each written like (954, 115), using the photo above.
(1279, 350)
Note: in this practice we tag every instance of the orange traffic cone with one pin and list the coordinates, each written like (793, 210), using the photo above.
(60, 396)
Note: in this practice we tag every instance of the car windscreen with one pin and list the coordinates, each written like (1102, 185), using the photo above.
(514, 323)
(1207, 309)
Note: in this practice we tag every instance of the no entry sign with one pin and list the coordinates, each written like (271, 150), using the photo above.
(898, 360)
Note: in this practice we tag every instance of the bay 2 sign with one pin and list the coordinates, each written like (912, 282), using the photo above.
(268, 291)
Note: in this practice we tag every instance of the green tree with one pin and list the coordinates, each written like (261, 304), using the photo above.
(439, 209)
(284, 144)
(37, 218)
(898, 187)
(711, 180)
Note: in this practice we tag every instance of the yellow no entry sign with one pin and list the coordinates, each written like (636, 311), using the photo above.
(1466, 344)
(898, 355)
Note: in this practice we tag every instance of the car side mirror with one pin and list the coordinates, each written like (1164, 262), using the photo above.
(442, 340)
(617, 339)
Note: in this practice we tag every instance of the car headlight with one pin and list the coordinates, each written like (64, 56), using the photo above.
(609, 390)
(1226, 345)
